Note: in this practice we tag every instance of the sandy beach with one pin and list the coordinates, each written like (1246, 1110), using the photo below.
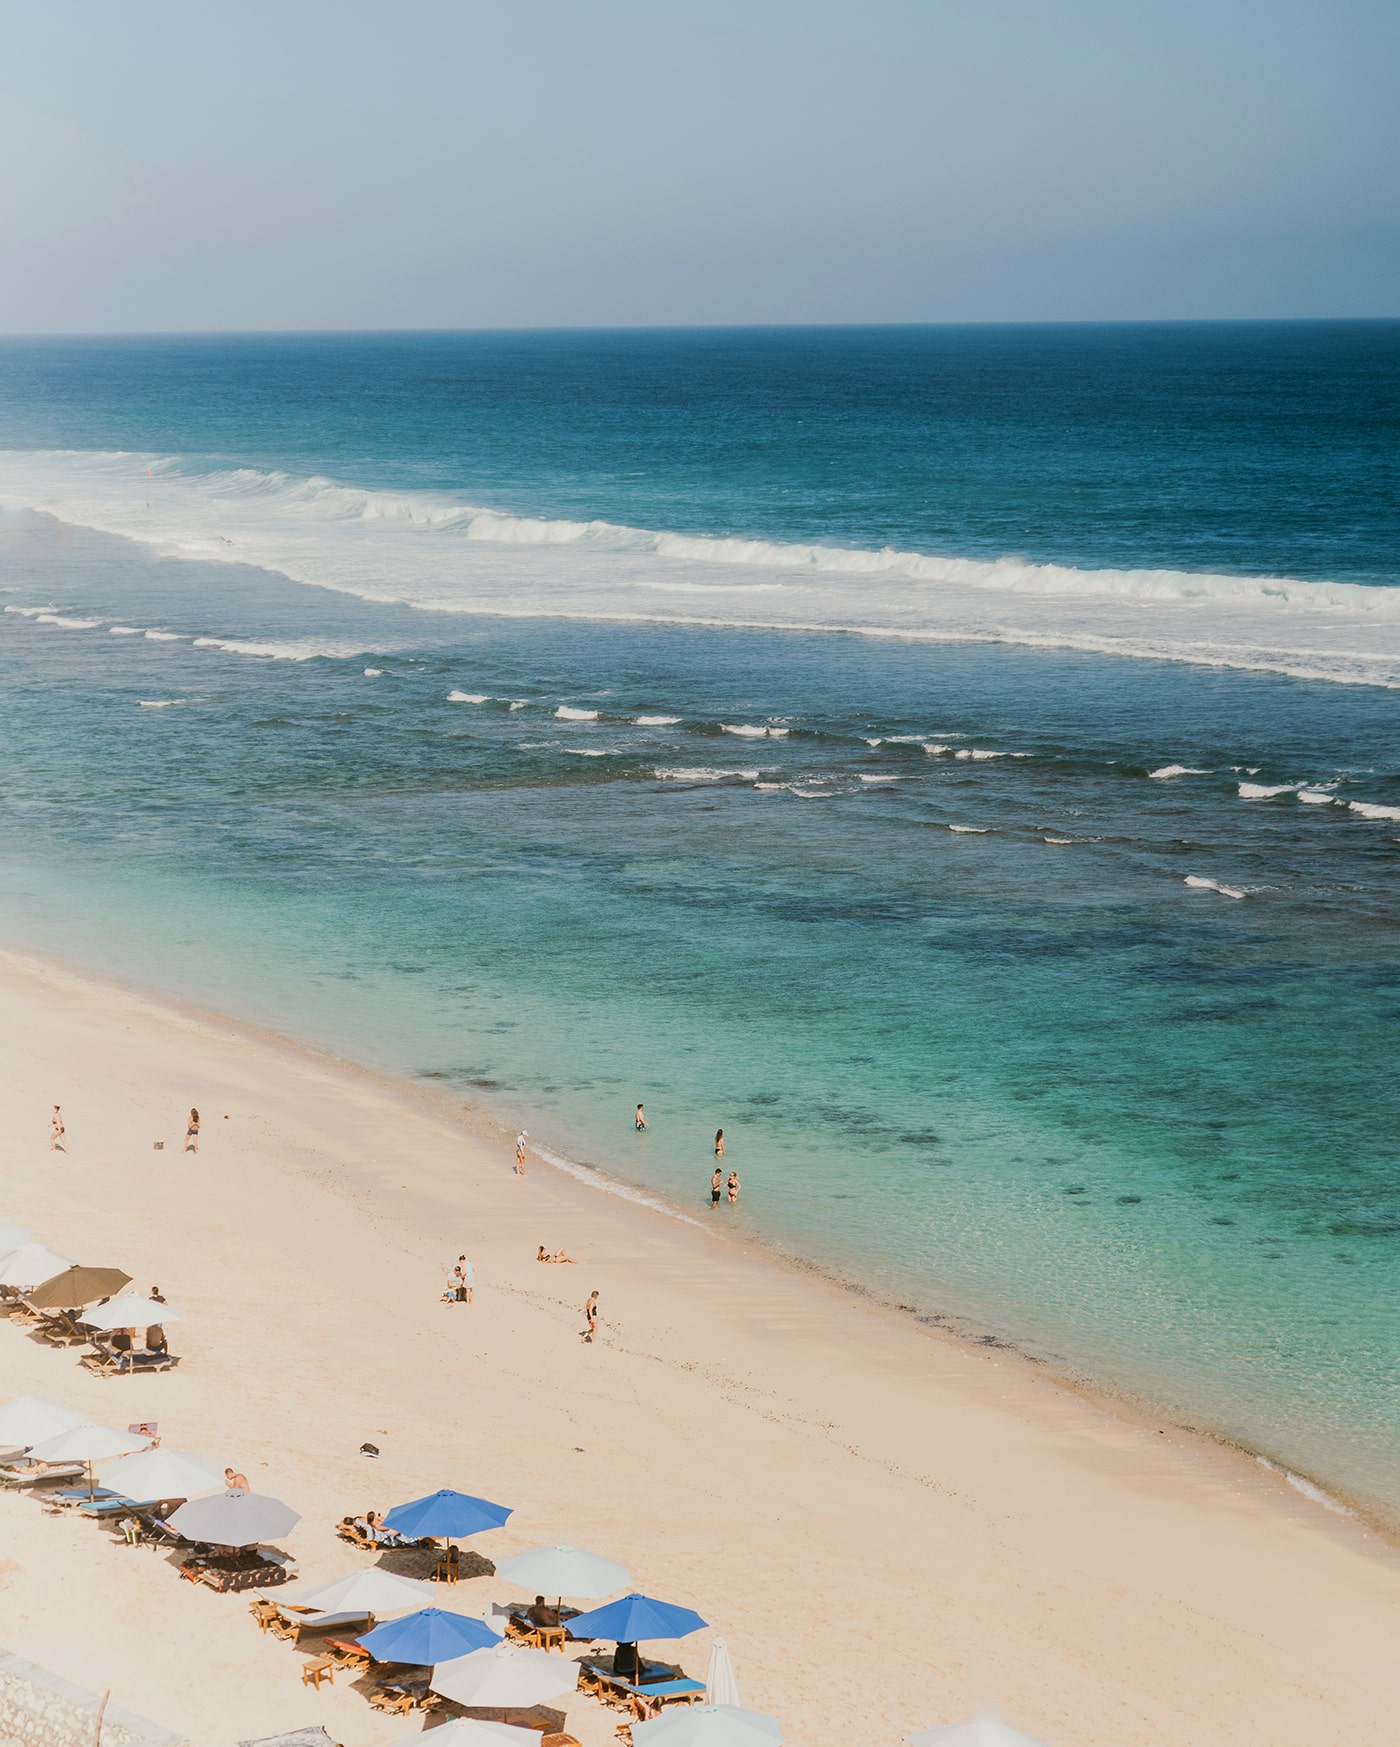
(891, 1529)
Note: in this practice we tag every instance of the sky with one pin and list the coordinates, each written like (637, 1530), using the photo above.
(177, 165)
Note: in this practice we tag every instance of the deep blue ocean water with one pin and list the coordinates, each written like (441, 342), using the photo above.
(977, 788)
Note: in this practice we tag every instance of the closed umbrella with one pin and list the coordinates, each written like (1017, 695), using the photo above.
(561, 1571)
(29, 1264)
(72, 1287)
(984, 1732)
(88, 1443)
(160, 1473)
(472, 1732)
(721, 1688)
(130, 1310)
(428, 1637)
(375, 1591)
(505, 1677)
(709, 1726)
(234, 1519)
(28, 1420)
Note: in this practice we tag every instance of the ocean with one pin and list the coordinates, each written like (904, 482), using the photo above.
(962, 763)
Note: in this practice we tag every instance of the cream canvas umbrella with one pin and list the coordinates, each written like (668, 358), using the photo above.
(28, 1420)
(561, 1571)
(88, 1443)
(26, 1266)
(130, 1310)
(984, 1732)
(506, 1677)
(234, 1519)
(375, 1591)
(160, 1473)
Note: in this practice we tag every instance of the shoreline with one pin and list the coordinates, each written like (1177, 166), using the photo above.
(1139, 1409)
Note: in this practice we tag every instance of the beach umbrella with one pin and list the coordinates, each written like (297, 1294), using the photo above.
(26, 1266)
(708, 1726)
(28, 1420)
(375, 1591)
(428, 1637)
(130, 1310)
(88, 1443)
(985, 1732)
(721, 1688)
(471, 1732)
(11, 1237)
(445, 1516)
(160, 1473)
(561, 1571)
(72, 1287)
(634, 1618)
(505, 1677)
(234, 1519)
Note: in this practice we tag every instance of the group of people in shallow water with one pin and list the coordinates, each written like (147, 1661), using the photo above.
(719, 1183)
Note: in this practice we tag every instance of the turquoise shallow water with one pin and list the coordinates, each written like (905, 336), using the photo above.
(926, 926)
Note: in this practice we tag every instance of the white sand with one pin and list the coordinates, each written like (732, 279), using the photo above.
(889, 1529)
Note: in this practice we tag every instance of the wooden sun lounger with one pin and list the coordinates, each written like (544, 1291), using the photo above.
(673, 1688)
(19, 1474)
(60, 1330)
(110, 1362)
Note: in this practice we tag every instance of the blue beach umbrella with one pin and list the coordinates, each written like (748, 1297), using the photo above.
(445, 1516)
(429, 1636)
(634, 1618)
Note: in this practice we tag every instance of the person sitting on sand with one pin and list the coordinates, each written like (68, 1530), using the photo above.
(236, 1482)
(542, 1614)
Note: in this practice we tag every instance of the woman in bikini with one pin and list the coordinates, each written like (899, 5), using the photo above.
(733, 1186)
(57, 1144)
(719, 1143)
(192, 1132)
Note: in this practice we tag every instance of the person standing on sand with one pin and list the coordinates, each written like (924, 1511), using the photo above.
(466, 1280)
(733, 1186)
(716, 1184)
(192, 1132)
(590, 1317)
(57, 1144)
(520, 1140)
(719, 1143)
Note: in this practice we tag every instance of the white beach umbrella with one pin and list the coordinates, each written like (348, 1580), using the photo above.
(472, 1732)
(160, 1473)
(30, 1265)
(28, 1420)
(708, 1726)
(504, 1677)
(984, 1732)
(234, 1519)
(369, 1592)
(561, 1571)
(88, 1442)
(11, 1237)
(721, 1688)
(130, 1310)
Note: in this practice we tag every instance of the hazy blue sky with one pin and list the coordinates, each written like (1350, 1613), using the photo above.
(171, 164)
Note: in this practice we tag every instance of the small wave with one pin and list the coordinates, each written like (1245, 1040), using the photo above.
(979, 752)
(167, 636)
(277, 649)
(746, 731)
(1057, 840)
(160, 703)
(590, 752)
(1370, 810)
(656, 721)
(1316, 797)
(609, 1186)
(125, 630)
(1170, 770)
(884, 779)
(468, 698)
(1199, 883)
(519, 703)
(971, 830)
(1314, 1494)
(806, 791)
(1267, 791)
(374, 673)
(565, 714)
(32, 612)
(703, 775)
(66, 623)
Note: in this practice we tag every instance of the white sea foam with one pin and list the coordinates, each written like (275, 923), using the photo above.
(747, 731)
(1314, 1494)
(1201, 884)
(468, 698)
(884, 779)
(440, 553)
(813, 791)
(374, 672)
(565, 714)
(279, 649)
(167, 636)
(160, 703)
(1267, 791)
(703, 774)
(519, 703)
(609, 1185)
(125, 630)
(975, 752)
(1057, 840)
(1170, 770)
(66, 623)
(970, 830)
(1316, 797)
(591, 752)
(32, 612)
(656, 721)
(1371, 810)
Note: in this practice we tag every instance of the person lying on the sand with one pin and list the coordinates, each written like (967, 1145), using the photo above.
(369, 1525)
(559, 1255)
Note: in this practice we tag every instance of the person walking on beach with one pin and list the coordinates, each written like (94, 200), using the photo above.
(733, 1187)
(719, 1143)
(520, 1140)
(641, 1118)
(590, 1317)
(57, 1144)
(192, 1132)
(716, 1184)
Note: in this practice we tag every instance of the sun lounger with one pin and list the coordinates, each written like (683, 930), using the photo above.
(349, 1653)
(58, 1328)
(113, 1362)
(19, 1474)
(392, 1701)
(666, 1685)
